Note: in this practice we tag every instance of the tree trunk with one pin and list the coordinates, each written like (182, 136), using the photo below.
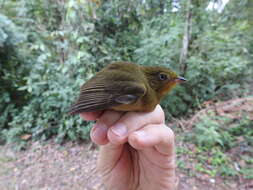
(186, 38)
(161, 7)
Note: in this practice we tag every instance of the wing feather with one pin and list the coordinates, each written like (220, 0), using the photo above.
(100, 95)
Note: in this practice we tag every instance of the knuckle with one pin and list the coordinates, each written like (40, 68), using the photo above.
(133, 138)
(114, 139)
(135, 141)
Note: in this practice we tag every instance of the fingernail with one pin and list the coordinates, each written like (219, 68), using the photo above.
(99, 130)
(119, 129)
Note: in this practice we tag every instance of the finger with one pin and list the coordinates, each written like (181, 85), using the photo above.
(158, 136)
(133, 121)
(98, 134)
(109, 153)
(90, 116)
(99, 131)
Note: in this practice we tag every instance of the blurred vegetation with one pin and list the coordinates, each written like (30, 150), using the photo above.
(49, 48)
(218, 145)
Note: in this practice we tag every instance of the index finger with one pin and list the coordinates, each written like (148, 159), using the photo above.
(133, 121)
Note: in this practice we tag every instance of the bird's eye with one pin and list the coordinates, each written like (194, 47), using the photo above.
(162, 76)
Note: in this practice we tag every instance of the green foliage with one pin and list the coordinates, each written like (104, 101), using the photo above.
(160, 42)
(57, 70)
(208, 133)
(218, 59)
(13, 65)
(214, 130)
(214, 137)
(55, 46)
(219, 163)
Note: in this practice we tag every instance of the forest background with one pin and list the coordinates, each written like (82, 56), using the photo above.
(48, 48)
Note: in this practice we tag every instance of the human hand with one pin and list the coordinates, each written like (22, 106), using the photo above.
(137, 152)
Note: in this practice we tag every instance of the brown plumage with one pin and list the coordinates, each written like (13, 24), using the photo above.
(125, 86)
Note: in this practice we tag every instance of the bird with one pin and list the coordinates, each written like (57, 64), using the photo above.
(125, 86)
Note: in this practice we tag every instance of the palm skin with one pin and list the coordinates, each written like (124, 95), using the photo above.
(137, 151)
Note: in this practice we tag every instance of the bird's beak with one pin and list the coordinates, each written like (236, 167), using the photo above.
(180, 80)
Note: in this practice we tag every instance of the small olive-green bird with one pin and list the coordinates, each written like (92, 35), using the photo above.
(125, 86)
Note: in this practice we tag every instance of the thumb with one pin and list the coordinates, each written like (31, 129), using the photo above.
(109, 155)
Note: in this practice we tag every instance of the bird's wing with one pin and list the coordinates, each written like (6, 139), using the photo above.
(101, 96)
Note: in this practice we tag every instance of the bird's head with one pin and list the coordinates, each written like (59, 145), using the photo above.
(162, 79)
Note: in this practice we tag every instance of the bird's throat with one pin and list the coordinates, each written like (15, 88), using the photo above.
(167, 88)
